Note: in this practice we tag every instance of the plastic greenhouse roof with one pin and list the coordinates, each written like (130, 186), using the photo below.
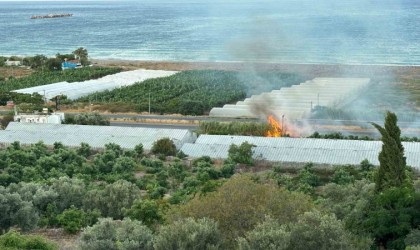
(302, 150)
(296, 100)
(75, 90)
(96, 136)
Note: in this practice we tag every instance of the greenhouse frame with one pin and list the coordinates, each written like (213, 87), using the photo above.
(299, 150)
(76, 90)
(296, 101)
(95, 136)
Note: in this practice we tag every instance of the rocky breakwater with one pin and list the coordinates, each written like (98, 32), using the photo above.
(51, 16)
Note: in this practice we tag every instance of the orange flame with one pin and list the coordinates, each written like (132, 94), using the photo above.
(281, 128)
(275, 127)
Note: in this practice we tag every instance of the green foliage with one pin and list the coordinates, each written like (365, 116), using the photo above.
(392, 169)
(189, 234)
(53, 64)
(339, 136)
(116, 235)
(19, 98)
(146, 211)
(84, 150)
(342, 177)
(87, 119)
(62, 57)
(269, 235)
(112, 199)
(313, 230)
(413, 238)
(241, 154)
(13, 240)
(4, 121)
(347, 202)
(391, 216)
(138, 149)
(240, 204)
(16, 212)
(164, 146)
(82, 54)
(233, 128)
(72, 219)
(317, 231)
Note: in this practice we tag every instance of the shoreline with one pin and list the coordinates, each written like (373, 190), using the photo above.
(311, 70)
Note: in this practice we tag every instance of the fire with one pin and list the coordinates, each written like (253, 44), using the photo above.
(276, 128)
(281, 128)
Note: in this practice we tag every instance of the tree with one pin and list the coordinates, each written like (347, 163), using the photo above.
(13, 240)
(392, 171)
(391, 215)
(240, 204)
(82, 54)
(53, 64)
(37, 61)
(392, 212)
(269, 235)
(112, 199)
(72, 219)
(164, 146)
(189, 234)
(241, 154)
(144, 210)
(116, 235)
(16, 212)
(317, 231)
(87, 119)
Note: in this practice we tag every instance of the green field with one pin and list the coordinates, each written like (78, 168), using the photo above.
(193, 92)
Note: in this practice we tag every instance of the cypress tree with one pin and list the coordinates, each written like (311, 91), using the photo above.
(392, 163)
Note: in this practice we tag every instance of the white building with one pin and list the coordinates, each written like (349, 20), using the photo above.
(13, 63)
(55, 118)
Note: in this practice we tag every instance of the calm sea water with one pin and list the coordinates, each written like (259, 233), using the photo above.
(288, 31)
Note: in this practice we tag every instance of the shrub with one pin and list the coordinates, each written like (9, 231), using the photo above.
(189, 234)
(241, 154)
(114, 235)
(13, 240)
(164, 146)
(146, 211)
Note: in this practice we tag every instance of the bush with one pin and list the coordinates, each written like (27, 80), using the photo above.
(241, 154)
(164, 146)
(87, 119)
(73, 219)
(189, 234)
(115, 235)
(13, 240)
(240, 204)
(146, 211)
(269, 235)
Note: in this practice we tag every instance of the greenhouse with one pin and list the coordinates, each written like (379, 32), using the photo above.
(75, 90)
(296, 101)
(95, 136)
(299, 150)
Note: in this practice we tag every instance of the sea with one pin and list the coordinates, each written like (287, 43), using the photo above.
(378, 32)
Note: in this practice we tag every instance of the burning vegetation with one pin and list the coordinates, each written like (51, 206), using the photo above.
(280, 128)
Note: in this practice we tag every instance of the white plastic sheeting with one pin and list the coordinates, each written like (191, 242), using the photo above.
(95, 136)
(296, 102)
(75, 90)
(301, 150)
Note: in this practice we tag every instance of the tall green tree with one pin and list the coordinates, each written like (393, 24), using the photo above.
(82, 54)
(392, 170)
(391, 214)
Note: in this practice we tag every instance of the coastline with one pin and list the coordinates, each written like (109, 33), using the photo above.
(311, 70)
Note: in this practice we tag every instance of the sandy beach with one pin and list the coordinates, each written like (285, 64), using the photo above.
(310, 70)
